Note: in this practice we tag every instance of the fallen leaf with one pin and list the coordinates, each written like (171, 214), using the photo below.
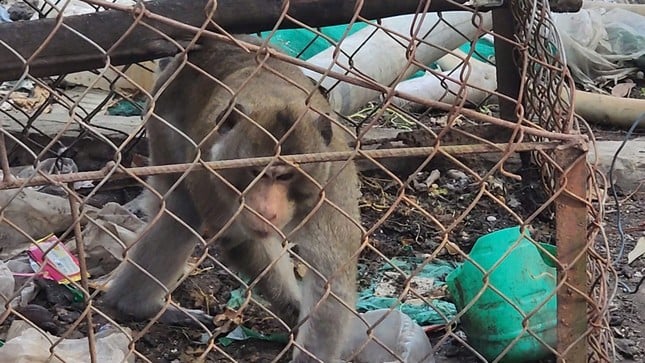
(452, 248)
(638, 250)
(30, 102)
(229, 315)
(191, 352)
(300, 269)
(622, 89)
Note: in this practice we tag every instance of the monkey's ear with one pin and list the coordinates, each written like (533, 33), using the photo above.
(231, 120)
(323, 123)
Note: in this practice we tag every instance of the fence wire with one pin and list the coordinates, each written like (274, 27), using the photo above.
(312, 193)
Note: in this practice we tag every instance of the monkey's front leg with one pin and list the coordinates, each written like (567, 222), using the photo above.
(160, 254)
(327, 320)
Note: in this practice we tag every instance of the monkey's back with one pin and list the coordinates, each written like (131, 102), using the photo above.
(194, 90)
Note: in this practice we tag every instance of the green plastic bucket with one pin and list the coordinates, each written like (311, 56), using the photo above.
(526, 276)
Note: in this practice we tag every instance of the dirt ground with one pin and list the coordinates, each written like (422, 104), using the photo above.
(628, 307)
(406, 232)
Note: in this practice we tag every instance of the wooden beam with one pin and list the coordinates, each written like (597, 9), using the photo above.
(91, 41)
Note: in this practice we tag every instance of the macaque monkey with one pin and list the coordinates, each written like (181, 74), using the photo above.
(220, 105)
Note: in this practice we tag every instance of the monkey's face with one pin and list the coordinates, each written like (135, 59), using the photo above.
(268, 204)
(276, 198)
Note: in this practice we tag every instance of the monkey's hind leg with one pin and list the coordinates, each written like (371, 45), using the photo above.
(278, 284)
(162, 252)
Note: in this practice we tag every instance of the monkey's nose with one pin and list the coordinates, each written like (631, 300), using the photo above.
(271, 216)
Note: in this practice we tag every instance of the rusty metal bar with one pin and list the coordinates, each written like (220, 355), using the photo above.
(80, 248)
(118, 172)
(571, 240)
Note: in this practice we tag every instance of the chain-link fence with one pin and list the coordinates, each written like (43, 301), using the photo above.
(410, 185)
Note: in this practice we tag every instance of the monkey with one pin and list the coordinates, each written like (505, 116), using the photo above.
(220, 102)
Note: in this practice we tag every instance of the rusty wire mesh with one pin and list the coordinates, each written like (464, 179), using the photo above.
(435, 174)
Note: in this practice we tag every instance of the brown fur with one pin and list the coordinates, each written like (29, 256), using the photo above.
(194, 104)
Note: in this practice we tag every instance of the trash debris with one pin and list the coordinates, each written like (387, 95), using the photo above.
(26, 344)
(622, 89)
(396, 331)
(58, 165)
(243, 333)
(36, 214)
(638, 251)
(361, 49)
(106, 234)
(431, 87)
(457, 181)
(127, 108)
(599, 43)
(20, 10)
(456, 174)
(22, 272)
(597, 108)
(382, 294)
(27, 100)
(40, 316)
(304, 43)
(237, 298)
(56, 294)
(52, 260)
(4, 15)
(422, 183)
(525, 276)
(7, 285)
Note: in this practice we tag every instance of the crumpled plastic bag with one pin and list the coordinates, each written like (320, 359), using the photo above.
(7, 285)
(396, 331)
(598, 43)
(36, 214)
(27, 345)
(54, 166)
(106, 233)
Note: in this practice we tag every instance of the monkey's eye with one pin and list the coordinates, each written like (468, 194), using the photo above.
(227, 125)
(284, 177)
(255, 172)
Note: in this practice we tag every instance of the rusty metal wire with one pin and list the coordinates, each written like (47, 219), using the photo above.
(551, 104)
(437, 171)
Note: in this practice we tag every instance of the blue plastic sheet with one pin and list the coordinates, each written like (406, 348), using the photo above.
(304, 44)
(421, 313)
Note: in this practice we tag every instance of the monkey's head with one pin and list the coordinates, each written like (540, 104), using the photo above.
(278, 196)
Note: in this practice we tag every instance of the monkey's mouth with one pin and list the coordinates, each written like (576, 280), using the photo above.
(262, 234)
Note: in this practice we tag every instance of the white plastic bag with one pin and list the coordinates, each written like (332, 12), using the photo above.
(27, 345)
(598, 42)
(397, 332)
(7, 285)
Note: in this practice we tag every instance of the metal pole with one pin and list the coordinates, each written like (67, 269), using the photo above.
(571, 239)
